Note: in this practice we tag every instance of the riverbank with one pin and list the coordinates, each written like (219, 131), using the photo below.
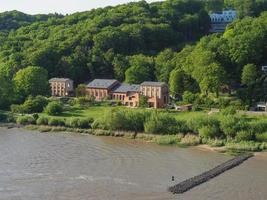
(178, 140)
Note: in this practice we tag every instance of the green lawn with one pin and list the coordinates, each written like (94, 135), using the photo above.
(98, 111)
(94, 112)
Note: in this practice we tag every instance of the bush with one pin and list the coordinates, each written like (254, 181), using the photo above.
(168, 139)
(246, 146)
(223, 102)
(127, 120)
(96, 124)
(189, 97)
(83, 101)
(17, 108)
(3, 117)
(230, 125)
(261, 137)
(35, 104)
(25, 120)
(258, 126)
(79, 122)
(162, 123)
(190, 140)
(196, 123)
(230, 110)
(42, 121)
(31, 105)
(209, 131)
(85, 122)
(54, 108)
(73, 122)
(35, 116)
(244, 136)
(56, 122)
(143, 103)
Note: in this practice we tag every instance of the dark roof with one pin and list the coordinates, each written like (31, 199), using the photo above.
(151, 83)
(123, 88)
(102, 83)
(60, 79)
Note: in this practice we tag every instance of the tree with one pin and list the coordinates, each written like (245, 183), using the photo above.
(31, 81)
(164, 64)
(214, 5)
(6, 91)
(249, 74)
(81, 90)
(141, 69)
(210, 78)
(120, 65)
(176, 83)
(54, 108)
(143, 101)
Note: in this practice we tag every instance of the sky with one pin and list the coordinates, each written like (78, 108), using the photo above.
(58, 6)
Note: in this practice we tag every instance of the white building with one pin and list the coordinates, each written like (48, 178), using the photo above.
(225, 16)
(219, 20)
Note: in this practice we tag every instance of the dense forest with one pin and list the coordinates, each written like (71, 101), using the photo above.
(165, 41)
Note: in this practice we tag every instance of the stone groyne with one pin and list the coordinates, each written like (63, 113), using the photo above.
(204, 177)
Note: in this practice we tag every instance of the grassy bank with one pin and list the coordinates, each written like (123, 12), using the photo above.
(234, 132)
(178, 140)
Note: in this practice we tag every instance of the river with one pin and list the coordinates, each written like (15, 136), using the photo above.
(64, 166)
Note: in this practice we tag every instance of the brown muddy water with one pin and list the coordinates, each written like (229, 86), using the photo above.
(65, 166)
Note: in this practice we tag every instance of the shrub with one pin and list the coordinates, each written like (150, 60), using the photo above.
(195, 123)
(168, 139)
(230, 110)
(85, 122)
(261, 137)
(96, 124)
(34, 104)
(189, 97)
(244, 136)
(3, 117)
(258, 126)
(54, 108)
(209, 131)
(83, 101)
(17, 108)
(230, 125)
(35, 116)
(143, 102)
(161, 123)
(56, 122)
(223, 102)
(118, 119)
(79, 122)
(25, 120)
(246, 146)
(42, 121)
(190, 140)
(31, 105)
(73, 122)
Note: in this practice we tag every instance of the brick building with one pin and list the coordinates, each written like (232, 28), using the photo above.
(101, 88)
(157, 93)
(129, 95)
(61, 87)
